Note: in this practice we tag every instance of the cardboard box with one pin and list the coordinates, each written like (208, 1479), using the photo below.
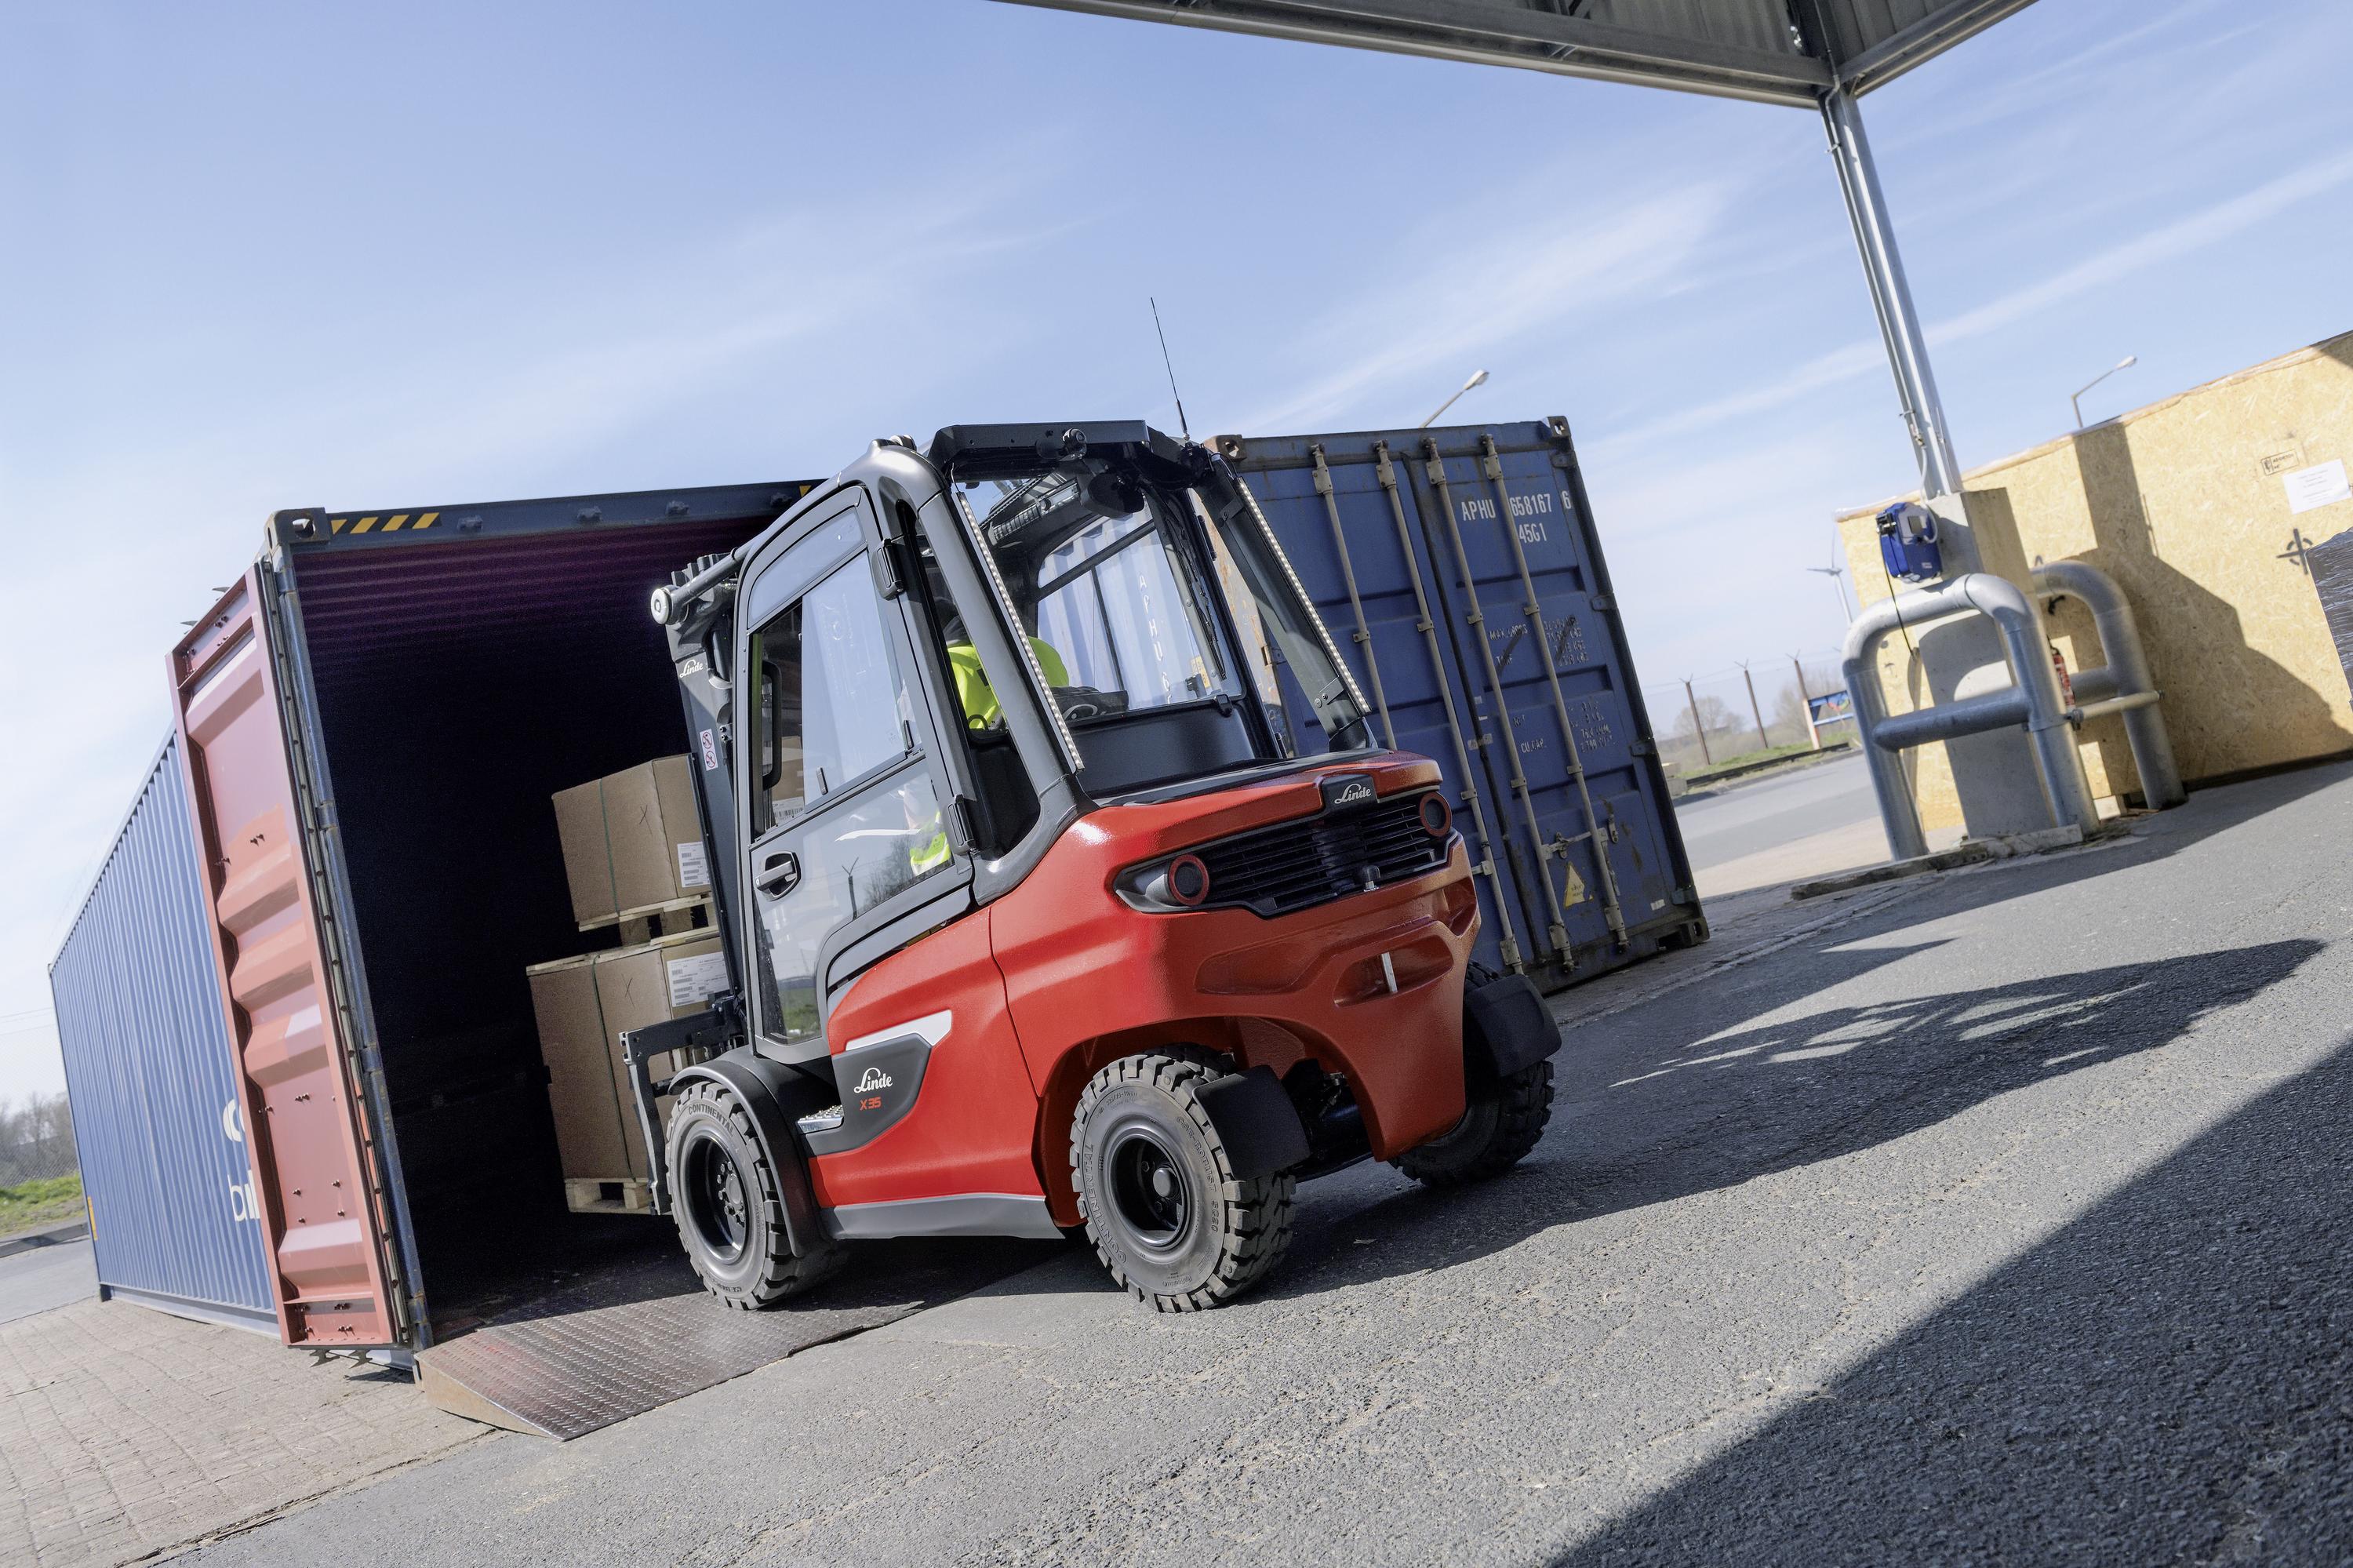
(583, 1006)
(632, 842)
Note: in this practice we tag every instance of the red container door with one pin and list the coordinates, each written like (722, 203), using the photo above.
(305, 1126)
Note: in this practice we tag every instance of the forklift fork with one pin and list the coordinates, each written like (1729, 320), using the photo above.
(698, 1035)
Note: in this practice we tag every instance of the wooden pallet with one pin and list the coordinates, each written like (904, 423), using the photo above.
(620, 1195)
(643, 924)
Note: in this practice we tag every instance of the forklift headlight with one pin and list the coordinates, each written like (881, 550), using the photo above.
(1437, 816)
(1167, 886)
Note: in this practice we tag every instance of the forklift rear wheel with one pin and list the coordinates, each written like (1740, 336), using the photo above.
(730, 1215)
(1157, 1189)
(1502, 1123)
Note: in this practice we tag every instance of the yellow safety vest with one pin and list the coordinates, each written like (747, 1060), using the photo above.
(980, 704)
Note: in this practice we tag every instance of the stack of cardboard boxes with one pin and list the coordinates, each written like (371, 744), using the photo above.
(633, 853)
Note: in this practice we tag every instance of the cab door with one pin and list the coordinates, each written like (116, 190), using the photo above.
(868, 958)
(846, 829)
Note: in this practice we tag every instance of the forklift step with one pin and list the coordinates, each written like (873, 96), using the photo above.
(610, 1195)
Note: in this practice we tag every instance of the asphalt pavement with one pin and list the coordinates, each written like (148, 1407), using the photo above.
(1811, 820)
(41, 1277)
(1992, 1217)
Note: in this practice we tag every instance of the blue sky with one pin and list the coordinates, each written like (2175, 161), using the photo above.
(259, 257)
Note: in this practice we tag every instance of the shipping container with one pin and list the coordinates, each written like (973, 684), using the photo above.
(1461, 575)
(173, 1223)
(375, 719)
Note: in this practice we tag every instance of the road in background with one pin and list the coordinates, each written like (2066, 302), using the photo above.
(1783, 827)
(1990, 1216)
(41, 1277)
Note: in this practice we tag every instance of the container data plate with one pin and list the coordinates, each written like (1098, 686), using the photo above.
(644, 1332)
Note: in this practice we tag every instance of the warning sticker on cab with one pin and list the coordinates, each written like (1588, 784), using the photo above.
(710, 753)
(697, 978)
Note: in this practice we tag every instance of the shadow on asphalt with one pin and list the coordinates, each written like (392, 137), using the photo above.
(2167, 1377)
(1748, 1103)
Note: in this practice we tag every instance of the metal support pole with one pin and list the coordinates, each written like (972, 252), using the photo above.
(1764, 741)
(1891, 297)
(2128, 672)
(1698, 728)
(2035, 701)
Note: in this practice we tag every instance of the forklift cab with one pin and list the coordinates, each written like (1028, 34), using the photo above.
(942, 661)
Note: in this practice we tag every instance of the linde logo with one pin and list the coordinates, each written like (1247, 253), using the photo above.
(874, 1078)
(1357, 790)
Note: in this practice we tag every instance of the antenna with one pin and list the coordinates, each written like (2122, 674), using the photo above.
(1181, 425)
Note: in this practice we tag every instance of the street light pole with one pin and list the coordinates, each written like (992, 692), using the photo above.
(1478, 381)
(2126, 363)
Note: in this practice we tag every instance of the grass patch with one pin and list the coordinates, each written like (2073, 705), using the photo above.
(1723, 765)
(29, 1205)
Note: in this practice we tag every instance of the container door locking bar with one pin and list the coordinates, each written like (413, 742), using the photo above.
(1364, 635)
(1508, 942)
(1492, 466)
(1435, 467)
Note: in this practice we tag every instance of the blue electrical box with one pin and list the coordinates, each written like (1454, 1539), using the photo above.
(1907, 542)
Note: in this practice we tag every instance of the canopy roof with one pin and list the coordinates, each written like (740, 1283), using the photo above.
(1774, 51)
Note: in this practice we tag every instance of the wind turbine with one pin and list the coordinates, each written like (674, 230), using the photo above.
(1836, 573)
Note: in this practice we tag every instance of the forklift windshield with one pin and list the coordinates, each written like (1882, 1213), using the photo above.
(1159, 631)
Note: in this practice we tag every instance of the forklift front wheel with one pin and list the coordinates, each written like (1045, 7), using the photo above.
(1156, 1185)
(1502, 1123)
(730, 1215)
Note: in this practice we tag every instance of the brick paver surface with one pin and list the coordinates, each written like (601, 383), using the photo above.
(125, 1432)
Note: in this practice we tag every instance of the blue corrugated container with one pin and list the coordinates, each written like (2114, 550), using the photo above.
(148, 1068)
(1460, 574)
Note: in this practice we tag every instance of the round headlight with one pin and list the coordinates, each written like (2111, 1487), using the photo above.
(1189, 881)
(1437, 816)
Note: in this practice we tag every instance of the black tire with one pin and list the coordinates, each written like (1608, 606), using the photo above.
(1162, 1206)
(730, 1215)
(1503, 1120)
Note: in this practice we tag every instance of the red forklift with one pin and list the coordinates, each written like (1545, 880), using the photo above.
(1043, 914)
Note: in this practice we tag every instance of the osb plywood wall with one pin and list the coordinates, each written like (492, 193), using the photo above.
(2184, 503)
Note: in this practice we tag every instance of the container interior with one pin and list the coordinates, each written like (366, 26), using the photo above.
(460, 684)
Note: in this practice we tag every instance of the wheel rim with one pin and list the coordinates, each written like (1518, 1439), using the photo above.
(711, 1184)
(1148, 1189)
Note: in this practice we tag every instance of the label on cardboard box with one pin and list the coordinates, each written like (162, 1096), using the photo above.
(697, 979)
(693, 865)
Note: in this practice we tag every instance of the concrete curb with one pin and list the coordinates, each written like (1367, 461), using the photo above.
(1797, 762)
(1975, 851)
(56, 1236)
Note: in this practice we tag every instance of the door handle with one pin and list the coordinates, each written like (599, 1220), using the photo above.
(780, 872)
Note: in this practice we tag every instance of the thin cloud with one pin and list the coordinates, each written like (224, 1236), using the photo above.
(2220, 221)
(1452, 309)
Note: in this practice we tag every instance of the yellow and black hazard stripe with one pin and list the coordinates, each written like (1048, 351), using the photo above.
(383, 524)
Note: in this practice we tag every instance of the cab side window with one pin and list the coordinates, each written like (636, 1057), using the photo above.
(847, 813)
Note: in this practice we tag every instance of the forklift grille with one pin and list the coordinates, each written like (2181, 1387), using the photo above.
(1314, 860)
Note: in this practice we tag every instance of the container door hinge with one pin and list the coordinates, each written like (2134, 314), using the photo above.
(1687, 895)
(1605, 601)
(1641, 748)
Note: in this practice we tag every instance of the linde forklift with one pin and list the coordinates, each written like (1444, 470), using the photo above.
(1043, 912)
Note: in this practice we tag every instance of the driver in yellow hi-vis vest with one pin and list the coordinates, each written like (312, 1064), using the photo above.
(980, 712)
(980, 706)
